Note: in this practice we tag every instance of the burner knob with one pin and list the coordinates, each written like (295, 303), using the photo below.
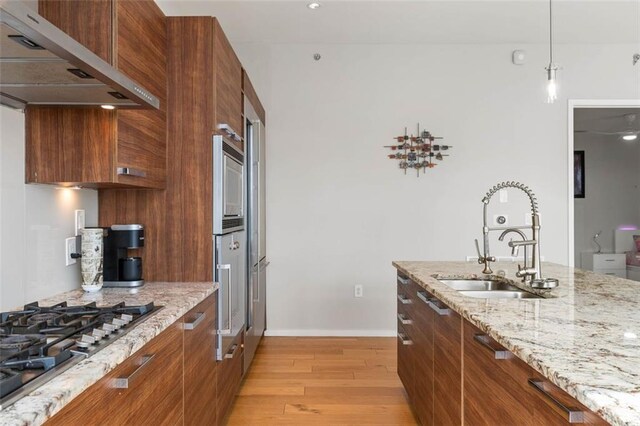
(108, 328)
(86, 341)
(118, 323)
(126, 318)
(97, 333)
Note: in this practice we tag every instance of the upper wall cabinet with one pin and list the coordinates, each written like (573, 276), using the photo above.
(96, 147)
(250, 93)
(228, 82)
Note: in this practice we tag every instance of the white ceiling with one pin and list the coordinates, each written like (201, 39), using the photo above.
(478, 21)
(605, 119)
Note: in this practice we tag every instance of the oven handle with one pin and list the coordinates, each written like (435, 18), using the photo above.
(226, 331)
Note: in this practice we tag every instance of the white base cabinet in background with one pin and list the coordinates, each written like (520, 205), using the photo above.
(605, 263)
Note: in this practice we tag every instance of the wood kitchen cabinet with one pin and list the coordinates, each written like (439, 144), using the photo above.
(229, 378)
(455, 374)
(406, 329)
(200, 379)
(171, 380)
(95, 147)
(501, 389)
(153, 393)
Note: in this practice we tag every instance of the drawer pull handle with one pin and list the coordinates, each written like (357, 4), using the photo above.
(405, 341)
(404, 300)
(404, 320)
(127, 382)
(422, 296)
(431, 302)
(403, 281)
(194, 324)
(128, 171)
(485, 340)
(232, 352)
(609, 260)
(440, 311)
(573, 414)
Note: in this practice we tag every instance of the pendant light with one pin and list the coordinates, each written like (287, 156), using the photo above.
(552, 69)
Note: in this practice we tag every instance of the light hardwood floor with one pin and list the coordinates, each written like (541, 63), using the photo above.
(320, 380)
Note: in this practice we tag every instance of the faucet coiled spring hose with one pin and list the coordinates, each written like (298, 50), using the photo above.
(517, 185)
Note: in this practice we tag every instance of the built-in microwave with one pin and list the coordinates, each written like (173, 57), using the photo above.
(228, 186)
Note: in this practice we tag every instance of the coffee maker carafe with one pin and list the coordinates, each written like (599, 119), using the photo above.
(120, 269)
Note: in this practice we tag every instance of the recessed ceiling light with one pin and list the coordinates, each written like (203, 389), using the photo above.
(630, 137)
(314, 5)
(108, 107)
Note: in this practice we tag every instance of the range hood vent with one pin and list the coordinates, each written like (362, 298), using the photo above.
(41, 65)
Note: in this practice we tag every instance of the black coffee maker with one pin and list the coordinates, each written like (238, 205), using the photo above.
(121, 270)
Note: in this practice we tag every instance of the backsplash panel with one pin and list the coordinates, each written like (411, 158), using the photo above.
(34, 222)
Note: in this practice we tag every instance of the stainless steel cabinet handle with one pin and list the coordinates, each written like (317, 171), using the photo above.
(440, 311)
(404, 300)
(404, 320)
(423, 296)
(483, 339)
(128, 171)
(194, 324)
(404, 340)
(573, 414)
(403, 281)
(226, 330)
(231, 353)
(126, 382)
(229, 131)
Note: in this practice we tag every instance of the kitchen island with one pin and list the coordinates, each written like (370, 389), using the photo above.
(177, 299)
(582, 336)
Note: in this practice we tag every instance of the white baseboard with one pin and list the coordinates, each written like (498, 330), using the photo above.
(331, 333)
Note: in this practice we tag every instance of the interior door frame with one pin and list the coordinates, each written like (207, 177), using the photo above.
(574, 104)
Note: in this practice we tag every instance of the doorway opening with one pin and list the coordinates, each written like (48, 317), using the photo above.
(604, 185)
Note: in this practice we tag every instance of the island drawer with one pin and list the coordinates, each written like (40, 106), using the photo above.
(517, 391)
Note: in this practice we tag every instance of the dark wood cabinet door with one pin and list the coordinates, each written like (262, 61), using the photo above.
(140, 32)
(405, 342)
(229, 376)
(424, 318)
(153, 396)
(447, 365)
(228, 72)
(200, 396)
(493, 383)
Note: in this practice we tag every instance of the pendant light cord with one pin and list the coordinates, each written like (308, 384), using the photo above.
(550, 32)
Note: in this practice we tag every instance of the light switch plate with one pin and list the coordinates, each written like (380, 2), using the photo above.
(79, 221)
(70, 247)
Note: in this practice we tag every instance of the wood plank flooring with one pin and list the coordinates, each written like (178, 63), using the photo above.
(323, 381)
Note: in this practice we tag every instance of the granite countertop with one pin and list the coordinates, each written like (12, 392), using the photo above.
(176, 297)
(584, 336)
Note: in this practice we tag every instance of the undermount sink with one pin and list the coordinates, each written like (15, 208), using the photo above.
(500, 294)
(479, 285)
(488, 289)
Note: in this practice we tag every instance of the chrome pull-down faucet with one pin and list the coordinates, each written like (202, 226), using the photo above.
(530, 274)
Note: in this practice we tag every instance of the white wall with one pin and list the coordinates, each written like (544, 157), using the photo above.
(339, 211)
(34, 222)
(612, 191)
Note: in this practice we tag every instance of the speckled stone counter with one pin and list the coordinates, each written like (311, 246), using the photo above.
(177, 298)
(584, 336)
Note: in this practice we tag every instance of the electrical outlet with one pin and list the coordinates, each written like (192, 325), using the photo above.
(357, 290)
(504, 196)
(500, 220)
(79, 221)
(70, 247)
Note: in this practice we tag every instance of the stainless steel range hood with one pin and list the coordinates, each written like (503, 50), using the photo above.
(41, 65)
